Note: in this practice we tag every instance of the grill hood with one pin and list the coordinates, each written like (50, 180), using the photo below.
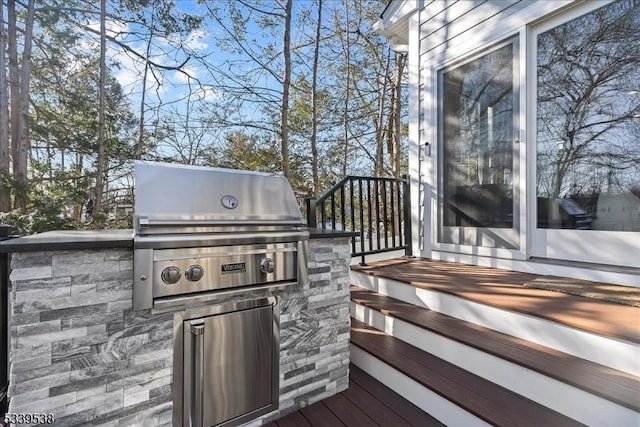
(176, 196)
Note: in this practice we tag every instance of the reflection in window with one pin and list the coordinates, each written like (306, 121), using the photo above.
(588, 121)
(477, 142)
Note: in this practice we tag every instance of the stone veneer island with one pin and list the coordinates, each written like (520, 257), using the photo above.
(80, 352)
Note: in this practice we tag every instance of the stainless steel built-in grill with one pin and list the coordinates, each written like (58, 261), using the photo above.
(200, 234)
(203, 232)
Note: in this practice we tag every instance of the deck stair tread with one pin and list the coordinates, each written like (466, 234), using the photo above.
(486, 400)
(608, 383)
(505, 289)
(366, 402)
(410, 413)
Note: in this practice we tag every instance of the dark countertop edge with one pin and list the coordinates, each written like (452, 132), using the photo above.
(69, 240)
(106, 239)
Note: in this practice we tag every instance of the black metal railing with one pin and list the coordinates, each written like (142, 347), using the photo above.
(378, 209)
(4, 321)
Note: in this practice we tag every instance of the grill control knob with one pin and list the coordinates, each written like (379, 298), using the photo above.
(267, 265)
(170, 275)
(193, 273)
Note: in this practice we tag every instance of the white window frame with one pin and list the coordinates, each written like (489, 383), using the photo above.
(488, 41)
(612, 247)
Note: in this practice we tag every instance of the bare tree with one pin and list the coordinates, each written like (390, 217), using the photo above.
(393, 117)
(314, 106)
(5, 199)
(101, 107)
(286, 86)
(19, 77)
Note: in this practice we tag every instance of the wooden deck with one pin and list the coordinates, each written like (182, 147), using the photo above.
(504, 289)
(366, 403)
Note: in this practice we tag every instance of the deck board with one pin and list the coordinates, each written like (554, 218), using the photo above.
(391, 400)
(504, 289)
(366, 403)
(347, 412)
(371, 406)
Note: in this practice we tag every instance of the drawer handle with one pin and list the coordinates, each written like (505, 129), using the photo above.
(198, 374)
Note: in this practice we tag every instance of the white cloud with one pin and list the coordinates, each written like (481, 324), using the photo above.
(195, 41)
(183, 76)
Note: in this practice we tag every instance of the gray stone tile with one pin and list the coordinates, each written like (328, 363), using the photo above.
(300, 370)
(79, 386)
(101, 317)
(46, 370)
(113, 285)
(30, 259)
(18, 319)
(161, 390)
(39, 328)
(133, 409)
(30, 273)
(146, 418)
(46, 405)
(42, 382)
(137, 373)
(118, 255)
(303, 398)
(35, 340)
(103, 276)
(77, 418)
(83, 289)
(31, 306)
(114, 406)
(97, 371)
(318, 270)
(119, 306)
(66, 269)
(75, 258)
(100, 359)
(27, 285)
(74, 312)
(21, 364)
(31, 396)
(69, 349)
(43, 294)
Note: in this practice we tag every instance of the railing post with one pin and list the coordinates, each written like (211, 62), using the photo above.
(4, 321)
(408, 240)
(311, 212)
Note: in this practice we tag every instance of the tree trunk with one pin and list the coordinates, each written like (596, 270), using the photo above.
(19, 83)
(140, 144)
(97, 206)
(345, 117)
(314, 107)
(5, 199)
(378, 167)
(399, 63)
(286, 83)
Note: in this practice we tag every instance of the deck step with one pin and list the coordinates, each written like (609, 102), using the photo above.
(499, 303)
(589, 392)
(477, 396)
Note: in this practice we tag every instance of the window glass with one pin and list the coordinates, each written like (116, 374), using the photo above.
(588, 121)
(477, 144)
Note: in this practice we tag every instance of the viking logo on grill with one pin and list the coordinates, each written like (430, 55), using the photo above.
(236, 267)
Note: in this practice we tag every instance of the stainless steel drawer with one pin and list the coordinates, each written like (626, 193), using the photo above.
(230, 363)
